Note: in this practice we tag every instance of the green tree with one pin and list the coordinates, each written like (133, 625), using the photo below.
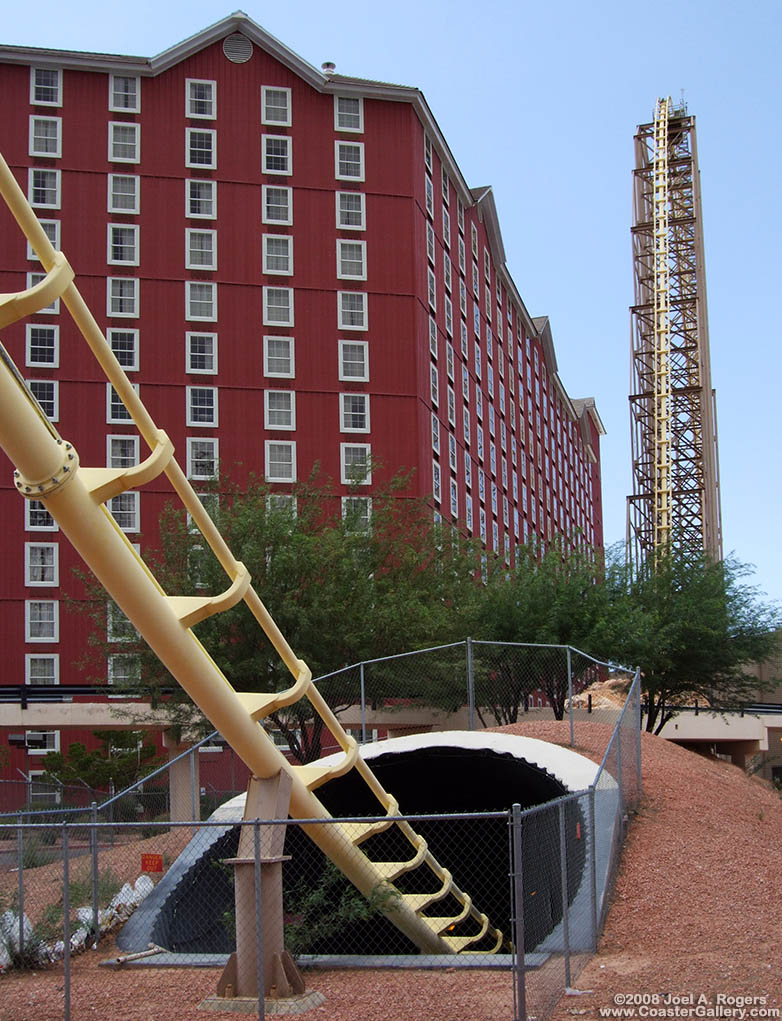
(693, 625)
(124, 756)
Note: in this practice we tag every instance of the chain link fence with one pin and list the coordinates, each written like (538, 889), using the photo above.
(166, 894)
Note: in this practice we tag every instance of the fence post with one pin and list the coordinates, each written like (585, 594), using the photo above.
(193, 815)
(94, 868)
(570, 698)
(470, 688)
(593, 867)
(66, 921)
(258, 920)
(363, 706)
(564, 877)
(20, 878)
(518, 913)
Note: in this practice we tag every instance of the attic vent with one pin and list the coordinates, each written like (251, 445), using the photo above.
(237, 48)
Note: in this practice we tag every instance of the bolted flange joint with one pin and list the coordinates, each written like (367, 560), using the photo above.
(37, 489)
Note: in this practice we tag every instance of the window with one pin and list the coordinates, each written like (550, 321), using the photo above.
(201, 458)
(351, 260)
(43, 188)
(278, 306)
(348, 113)
(355, 464)
(51, 229)
(43, 345)
(280, 461)
(428, 152)
(354, 413)
(39, 742)
(200, 300)
(352, 310)
(279, 407)
(435, 433)
(201, 352)
(121, 451)
(124, 93)
(45, 391)
(122, 245)
(474, 240)
(354, 360)
(446, 227)
(200, 249)
(279, 357)
(349, 161)
(432, 289)
(430, 247)
(278, 254)
(275, 105)
(454, 499)
(115, 409)
(436, 482)
(123, 193)
(201, 148)
(434, 384)
(433, 337)
(45, 136)
(37, 518)
(357, 513)
(124, 344)
(54, 308)
(41, 620)
(201, 199)
(124, 142)
(460, 214)
(276, 154)
(202, 405)
(467, 470)
(200, 98)
(122, 297)
(118, 627)
(124, 670)
(451, 406)
(45, 86)
(448, 316)
(277, 204)
(41, 564)
(351, 210)
(41, 669)
(452, 452)
(429, 188)
(447, 275)
(125, 511)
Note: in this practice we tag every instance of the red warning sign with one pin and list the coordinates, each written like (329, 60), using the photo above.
(151, 862)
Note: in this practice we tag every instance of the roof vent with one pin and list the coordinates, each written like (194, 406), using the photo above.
(329, 67)
(237, 48)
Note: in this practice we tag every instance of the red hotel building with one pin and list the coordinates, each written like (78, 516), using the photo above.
(292, 269)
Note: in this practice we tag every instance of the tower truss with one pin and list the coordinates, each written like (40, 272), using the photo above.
(675, 502)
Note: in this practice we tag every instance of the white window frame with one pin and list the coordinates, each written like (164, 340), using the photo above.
(189, 264)
(35, 277)
(57, 101)
(344, 474)
(55, 333)
(51, 657)
(127, 366)
(126, 418)
(189, 313)
(359, 146)
(29, 566)
(113, 107)
(189, 199)
(362, 211)
(350, 377)
(191, 419)
(264, 204)
(200, 165)
(123, 438)
(191, 100)
(113, 659)
(28, 621)
(136, 155)
(190, 354)
(342, 244)
(134, 313)
(267, 307)
(55, 746)
(130, 497)
(344, 412)
(29, 526)
(56, 178)
(267, 257)
(128, 210)
(267, 356)
(268, 444)
(133, 231)
(429, 195)
(348, 503)
(275, 121)
(51, 229)
(55, 153)
(268, 410)
(285, 171)
(191, 456)
(55, 396)
(436, 482)
(338, 126)
(342, 312)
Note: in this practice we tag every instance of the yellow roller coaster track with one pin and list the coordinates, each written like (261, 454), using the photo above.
(47, 469)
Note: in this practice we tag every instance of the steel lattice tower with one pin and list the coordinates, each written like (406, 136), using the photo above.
(675, 502)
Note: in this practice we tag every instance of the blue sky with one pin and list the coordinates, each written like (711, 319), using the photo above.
(541, 102)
